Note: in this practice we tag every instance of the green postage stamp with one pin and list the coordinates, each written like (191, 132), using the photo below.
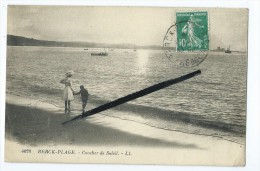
(192, 31)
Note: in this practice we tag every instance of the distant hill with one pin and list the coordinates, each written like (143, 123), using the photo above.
(13, 40)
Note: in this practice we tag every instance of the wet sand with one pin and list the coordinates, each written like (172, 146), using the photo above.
(38, 125)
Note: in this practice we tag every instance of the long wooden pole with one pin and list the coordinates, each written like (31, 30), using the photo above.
(135, 95)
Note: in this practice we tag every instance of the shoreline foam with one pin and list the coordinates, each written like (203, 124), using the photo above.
(37, 128)
(117, 115)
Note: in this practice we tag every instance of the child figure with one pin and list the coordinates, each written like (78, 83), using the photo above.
(84, 97)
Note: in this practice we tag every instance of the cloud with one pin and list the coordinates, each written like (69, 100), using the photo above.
(135, 25)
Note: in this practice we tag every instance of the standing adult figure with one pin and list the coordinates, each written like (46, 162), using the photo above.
(68, 91)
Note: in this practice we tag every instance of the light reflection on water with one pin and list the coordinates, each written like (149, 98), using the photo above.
(219, 93)
(142, 61)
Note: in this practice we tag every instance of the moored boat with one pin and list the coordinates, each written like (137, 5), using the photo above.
(99, 54)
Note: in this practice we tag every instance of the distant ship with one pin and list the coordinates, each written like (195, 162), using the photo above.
(228, 50)
(99, 53)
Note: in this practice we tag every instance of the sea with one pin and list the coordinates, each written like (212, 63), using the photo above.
(211, 104)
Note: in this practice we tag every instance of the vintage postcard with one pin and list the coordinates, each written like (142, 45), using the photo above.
(126, 85)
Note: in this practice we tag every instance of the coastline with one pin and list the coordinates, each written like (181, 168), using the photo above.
(38, 125)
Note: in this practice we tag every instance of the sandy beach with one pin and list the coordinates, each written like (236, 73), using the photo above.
(37, 125)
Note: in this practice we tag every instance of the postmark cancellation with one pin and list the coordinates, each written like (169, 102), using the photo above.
(187, 41)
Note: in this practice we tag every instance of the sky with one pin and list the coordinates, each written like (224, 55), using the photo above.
(117, 25)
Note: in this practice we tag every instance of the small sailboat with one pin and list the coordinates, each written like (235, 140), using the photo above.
(99, 53)
(228, 50)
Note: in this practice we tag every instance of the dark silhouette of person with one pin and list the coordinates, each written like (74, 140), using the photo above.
(84, 97)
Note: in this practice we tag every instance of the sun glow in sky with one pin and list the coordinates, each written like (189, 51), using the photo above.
(133, 25)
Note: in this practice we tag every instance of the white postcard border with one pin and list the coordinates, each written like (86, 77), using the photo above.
(253, 93)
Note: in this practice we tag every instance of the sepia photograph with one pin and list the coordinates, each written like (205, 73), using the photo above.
(126, 85)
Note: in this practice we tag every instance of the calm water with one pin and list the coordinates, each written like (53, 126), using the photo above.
(213, 103)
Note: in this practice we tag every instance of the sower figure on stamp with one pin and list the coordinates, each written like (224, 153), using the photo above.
(84, 97)
(68, 91)
(189, 29)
